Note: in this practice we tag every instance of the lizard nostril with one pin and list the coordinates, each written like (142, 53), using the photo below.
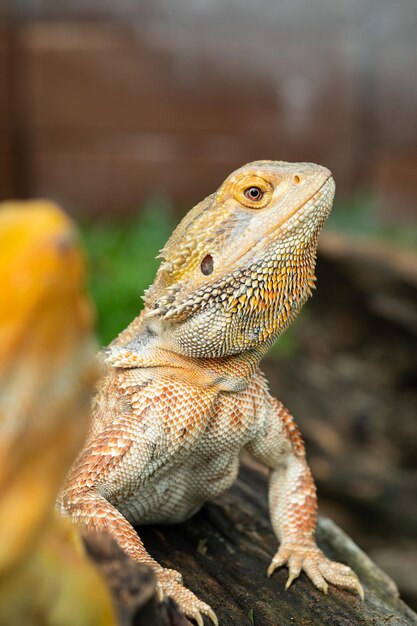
(207, 264)
(296, 179)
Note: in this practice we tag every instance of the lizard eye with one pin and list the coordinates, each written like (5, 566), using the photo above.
(207, 265)
(253, 191)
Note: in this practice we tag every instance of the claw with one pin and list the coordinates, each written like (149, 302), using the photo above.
(160, 593)
(356, 586)
(189, 604)
(271, 569)
(290, 579)
(211, 614)
(198, 618)
(323, 587)
(294, 569)
(275, 564)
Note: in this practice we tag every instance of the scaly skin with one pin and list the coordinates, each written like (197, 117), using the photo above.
(183, 393)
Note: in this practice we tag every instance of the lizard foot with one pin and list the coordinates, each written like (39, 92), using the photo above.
(170, 573)
(168, 584)
(319, 569)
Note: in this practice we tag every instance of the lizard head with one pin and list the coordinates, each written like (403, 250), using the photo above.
(240, 265)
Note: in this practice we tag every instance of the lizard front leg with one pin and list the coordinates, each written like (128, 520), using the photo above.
(293, 503)
(98, 473)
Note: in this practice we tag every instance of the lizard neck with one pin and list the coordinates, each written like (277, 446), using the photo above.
(228, 373)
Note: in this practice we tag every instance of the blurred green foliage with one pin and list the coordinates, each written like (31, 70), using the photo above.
(123, 264)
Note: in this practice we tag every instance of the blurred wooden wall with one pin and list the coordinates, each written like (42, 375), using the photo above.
(105, 103)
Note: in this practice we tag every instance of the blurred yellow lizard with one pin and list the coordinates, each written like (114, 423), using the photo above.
(47, 373)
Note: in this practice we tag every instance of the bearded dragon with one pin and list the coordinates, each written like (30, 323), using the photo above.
(183, 394)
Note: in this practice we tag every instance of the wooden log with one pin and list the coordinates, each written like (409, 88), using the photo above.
(132, 585)
(223, 553)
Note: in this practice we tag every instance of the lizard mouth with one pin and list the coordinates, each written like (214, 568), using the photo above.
(276, 227)
(317, 194)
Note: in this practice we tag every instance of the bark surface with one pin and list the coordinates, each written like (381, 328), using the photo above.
(223, 553)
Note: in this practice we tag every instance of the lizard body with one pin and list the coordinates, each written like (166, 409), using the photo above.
(183, 394)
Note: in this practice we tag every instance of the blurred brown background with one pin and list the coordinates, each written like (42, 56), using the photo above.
(103, 103)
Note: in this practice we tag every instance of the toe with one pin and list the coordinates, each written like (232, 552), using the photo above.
(279, 560)
(172, 573)
(341, 576)
(197, 617)
(342, 568)
(313, 572)
(331, 568)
